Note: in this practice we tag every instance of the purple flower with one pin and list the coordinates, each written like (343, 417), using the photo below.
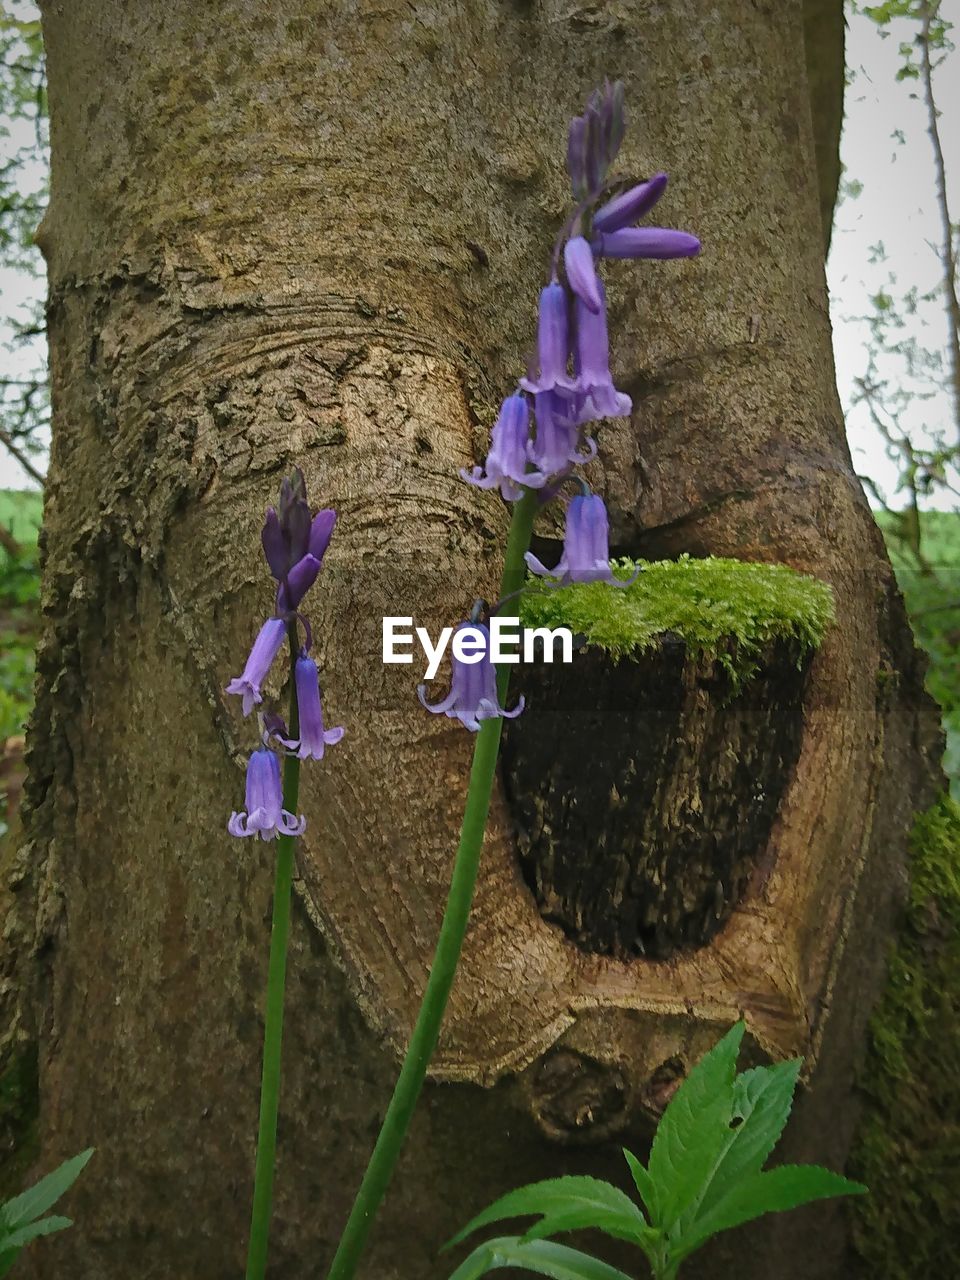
(473, 687)
(313, 736)
(647, 242)
(595, 139)
(265, 815)
(506, 464)
(586, 546)
(558, 443)
(293, 543)
(553, 342)
(581, 272)
(601, 399)
(630, 205)
(265, 649)
(321, 531)
(298, 582)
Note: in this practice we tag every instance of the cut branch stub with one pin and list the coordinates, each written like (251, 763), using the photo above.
(644, 790)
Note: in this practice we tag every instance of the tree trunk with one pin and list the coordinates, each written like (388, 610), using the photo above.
(313, 234)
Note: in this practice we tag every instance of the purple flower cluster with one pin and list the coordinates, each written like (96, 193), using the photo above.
(294, 543)
(541, 432)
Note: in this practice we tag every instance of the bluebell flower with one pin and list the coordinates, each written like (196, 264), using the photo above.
(297, 582)
(582, 273)
(295, 543)
(506, 464)
(629, 206)
(553, 342)
(586, 546)
(265, 649)
(313, 736)
(601, 399)
(473, 688)
(558, 443)
(265, 815)
(646, 242)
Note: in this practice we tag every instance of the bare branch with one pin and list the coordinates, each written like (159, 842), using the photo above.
(11, 446)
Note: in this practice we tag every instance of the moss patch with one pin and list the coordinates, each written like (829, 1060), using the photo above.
(707, 603)
(908, 1150)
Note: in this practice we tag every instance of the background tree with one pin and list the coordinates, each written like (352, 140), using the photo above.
(909, 386)
(24, 410)
(309, 234)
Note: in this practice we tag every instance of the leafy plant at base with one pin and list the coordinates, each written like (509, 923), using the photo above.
(705, 1175)
(20, 1218)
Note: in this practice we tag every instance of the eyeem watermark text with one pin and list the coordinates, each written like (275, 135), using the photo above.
(509, 642)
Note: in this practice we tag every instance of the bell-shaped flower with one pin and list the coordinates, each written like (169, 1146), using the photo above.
(265, 649)
(630, 206)
(473, 688)
(265, 815)
(553, 342)
(298, 582)
(646, 242)
(582, 274)
(506, 464)
(586, 546)
(313, 736)
(601, 399)
(558, 443)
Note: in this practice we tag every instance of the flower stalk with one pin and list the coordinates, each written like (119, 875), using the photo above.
(273, 1022)
(423, 1041)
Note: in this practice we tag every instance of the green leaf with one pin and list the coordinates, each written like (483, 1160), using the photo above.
(558, 1195)
(786, 1187)
(644, 1184)
(12, 1245)
(543, 1257)
(762, 1099)
(32, 1230)
(38, 1199)
(623, 1226)
(694, 1129)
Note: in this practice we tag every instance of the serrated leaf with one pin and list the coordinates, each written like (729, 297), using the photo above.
(33, 1230)
(762, 1098)
(38, 1199)
(552, 1196)
(693, 1130)
(644, 1183)
(623, 1226)
(542, 1257)
(786, 1187)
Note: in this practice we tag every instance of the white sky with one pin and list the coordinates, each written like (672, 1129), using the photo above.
(895, 207)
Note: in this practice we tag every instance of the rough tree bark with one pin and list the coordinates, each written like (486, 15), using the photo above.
(313, 233)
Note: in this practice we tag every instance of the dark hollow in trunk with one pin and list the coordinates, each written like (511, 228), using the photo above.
(644, 791)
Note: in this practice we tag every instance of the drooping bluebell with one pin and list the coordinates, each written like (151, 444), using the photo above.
(265, 815)
(262, 654)
(473, 688)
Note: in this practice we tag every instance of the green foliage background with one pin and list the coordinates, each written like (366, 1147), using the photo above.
(933, 602)
(19, 609)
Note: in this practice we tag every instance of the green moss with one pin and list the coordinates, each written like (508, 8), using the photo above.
(709, 603)
(908, 1149)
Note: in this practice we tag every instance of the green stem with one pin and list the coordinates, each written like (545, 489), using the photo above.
(449, 943)
(273, 1028)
